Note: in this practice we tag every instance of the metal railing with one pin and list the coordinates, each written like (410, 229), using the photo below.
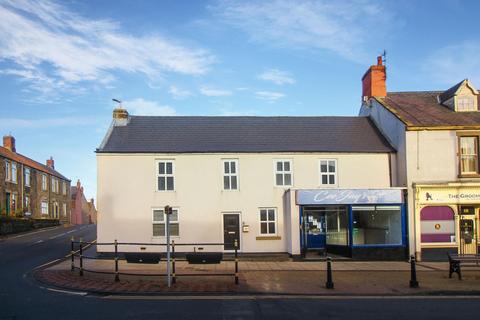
(81, 255)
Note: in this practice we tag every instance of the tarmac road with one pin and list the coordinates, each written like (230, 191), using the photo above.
(23, 298)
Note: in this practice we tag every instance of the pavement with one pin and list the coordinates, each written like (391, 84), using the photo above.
(22, 297)
(351, 278)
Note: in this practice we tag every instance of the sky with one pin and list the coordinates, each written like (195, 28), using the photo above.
(62, 62)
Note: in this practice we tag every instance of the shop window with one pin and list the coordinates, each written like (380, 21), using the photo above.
(283, 173)
(165, 176)
(268, 221)
(159, 223)
(377, 225)
(337, 226)
(328, 172)
(230, 174)
(469, 155)
(437, 224)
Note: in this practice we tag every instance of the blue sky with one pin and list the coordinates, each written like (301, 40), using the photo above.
(61, 63)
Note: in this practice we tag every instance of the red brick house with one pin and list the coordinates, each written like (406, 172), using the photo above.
(83, 211)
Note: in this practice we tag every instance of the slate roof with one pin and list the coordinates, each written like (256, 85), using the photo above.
(17, 157)
(444, 96)
(422, 109)
(148, 134)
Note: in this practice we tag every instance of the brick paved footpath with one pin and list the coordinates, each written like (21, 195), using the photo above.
(286, 277)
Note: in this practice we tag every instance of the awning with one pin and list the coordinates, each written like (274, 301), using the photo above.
(349, 196)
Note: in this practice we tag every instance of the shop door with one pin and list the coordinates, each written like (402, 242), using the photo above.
(468, 231)
(231, 230)
(315, 229)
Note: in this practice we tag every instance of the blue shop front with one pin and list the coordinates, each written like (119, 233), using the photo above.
(363, 224)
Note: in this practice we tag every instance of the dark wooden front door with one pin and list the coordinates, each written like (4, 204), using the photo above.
(7, 204)
(231, 231)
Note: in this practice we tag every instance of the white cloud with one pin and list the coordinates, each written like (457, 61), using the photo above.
(214, 92)
(347, 28)
(143, 107)
(277, 76)
(179, 93)
(46, 40)
(269, 96)
(451, 64)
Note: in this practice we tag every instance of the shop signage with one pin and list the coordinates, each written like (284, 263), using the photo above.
(349, 196)
(450, 195)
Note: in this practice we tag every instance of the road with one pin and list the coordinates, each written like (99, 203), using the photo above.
(22, 298)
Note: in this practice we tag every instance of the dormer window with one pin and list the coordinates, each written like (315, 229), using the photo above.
(462, 97)
(466, 103)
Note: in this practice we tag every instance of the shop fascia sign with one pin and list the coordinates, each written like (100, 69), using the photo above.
(349, 196)
(448, 195)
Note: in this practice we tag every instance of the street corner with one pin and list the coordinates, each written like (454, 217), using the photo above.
(138, 284)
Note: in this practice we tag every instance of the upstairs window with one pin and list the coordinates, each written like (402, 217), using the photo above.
(8, 171)
(64, 188)
(165, 175)
(230, 174)
(283, 173)
(27, 177)
(14, 172)
(44, 182)
(328, 172)
(466, 103)
(468, 155)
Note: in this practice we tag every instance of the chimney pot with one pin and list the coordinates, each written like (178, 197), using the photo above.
(51, 163)
(9, 143)
(379, 61)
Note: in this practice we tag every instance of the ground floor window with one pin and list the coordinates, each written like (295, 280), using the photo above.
(159, 223)
(337, 226)
(268, 221)
(377, 225)
(437, 224)
(44, 208)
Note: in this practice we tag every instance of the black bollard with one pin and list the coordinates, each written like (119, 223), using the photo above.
(117, 278)
(413, 273)
(329, 283)
(236, 260)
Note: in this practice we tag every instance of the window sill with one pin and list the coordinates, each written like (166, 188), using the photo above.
(469, 175)
(269, 238)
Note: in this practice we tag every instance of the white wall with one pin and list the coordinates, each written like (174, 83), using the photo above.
(126, 193)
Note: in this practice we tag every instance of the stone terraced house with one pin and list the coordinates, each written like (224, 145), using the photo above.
(31, 189)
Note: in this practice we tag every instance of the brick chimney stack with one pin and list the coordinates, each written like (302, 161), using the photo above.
(51, 163)
(374, 81)
(120, 116)
(9, 143)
